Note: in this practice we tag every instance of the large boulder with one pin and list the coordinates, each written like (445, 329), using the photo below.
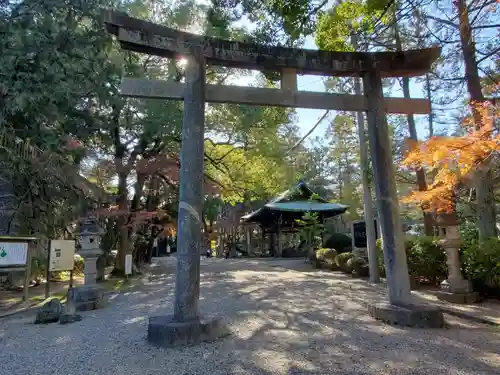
(50, 312)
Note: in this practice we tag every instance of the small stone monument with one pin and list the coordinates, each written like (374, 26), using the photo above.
(455, 288)
(88, 296)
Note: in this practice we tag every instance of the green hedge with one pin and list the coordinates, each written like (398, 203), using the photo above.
(481, 264)
(358, 266)
(341, 261)
(339, 241)
(426, 258)
(480, 261)
(326, 255)
(427, 261)
(325, 258)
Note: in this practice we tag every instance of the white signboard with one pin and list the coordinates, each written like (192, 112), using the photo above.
(128, 264)
(13, 253)
(62, 255)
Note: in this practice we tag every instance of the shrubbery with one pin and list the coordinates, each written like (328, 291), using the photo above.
(326, 255)
(341, 261)
(339, 241)
(426, 258)
(78, 268)
(427, 261)
(345, 262)
(481, 264)
(358, 266)
(325, 258)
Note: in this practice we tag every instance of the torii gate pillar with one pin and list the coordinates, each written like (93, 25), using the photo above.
(400, 309)
(186, 326)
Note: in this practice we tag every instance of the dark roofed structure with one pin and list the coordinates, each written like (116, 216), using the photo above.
(281, 213)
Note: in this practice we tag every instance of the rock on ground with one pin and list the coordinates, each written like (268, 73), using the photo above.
(284, 321)
(49, 312)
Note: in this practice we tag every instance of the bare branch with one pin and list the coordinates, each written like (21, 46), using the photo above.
(446, 22)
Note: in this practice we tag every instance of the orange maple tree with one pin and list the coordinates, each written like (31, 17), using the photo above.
(451, 160)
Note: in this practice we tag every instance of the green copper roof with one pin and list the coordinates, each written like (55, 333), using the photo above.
(307, 206)
(293, 203)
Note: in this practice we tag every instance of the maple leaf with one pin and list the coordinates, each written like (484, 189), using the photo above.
(453, 158)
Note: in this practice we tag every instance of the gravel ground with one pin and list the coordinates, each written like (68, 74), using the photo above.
(284, 321)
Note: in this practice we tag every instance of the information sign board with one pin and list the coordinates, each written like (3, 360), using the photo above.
(359, 233)
(62, 255)
(128, 264)
(13, 253)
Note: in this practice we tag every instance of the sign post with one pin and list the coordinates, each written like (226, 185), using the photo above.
(61, 257)
(128, 265)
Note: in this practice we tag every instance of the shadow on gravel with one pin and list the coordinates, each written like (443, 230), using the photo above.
(283, 321)
(307, 324)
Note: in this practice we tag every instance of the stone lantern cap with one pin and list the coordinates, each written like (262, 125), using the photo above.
(447, 220)
(89, 226)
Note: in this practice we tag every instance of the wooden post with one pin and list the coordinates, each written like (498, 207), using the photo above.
(48, 274)
(189, 238)
(28, 273)
(248, 232)
(262, 240)
(398, 282)
(279, 250)
(220, 251)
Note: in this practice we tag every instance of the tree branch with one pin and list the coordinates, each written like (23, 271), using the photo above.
(446, 22)
(496, 26)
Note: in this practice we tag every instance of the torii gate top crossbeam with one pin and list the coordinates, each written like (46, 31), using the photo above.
(146, 37)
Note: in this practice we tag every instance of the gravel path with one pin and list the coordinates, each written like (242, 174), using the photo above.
(284, 322)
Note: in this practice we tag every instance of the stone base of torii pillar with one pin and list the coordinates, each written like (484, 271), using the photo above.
(168, 331)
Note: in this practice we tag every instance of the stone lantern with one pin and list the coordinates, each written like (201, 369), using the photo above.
(89, 296)
(455, 288)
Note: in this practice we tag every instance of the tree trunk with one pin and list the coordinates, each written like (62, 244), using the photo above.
(420, 173)
(371, 239)
(139, 251)
(485, 200)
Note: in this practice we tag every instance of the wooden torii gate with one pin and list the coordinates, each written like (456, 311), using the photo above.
(145, 37)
